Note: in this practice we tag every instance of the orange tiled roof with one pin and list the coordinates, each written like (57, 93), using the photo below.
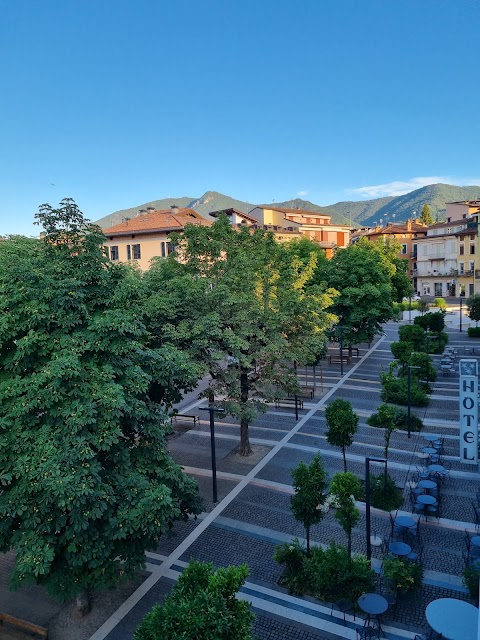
(158, 221)
(298, 211)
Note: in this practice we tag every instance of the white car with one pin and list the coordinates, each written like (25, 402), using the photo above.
(413, 298)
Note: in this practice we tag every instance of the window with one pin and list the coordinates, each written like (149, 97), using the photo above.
(472, 236)
(129, 252)
(461, 268)
(462, 249)
(136, 251)
(462, 238)
(472, 249)
(162, 249)
(404, 249)
(437, 288)
(414, 250)
(114, 253)
(471, 265)
(471, 289)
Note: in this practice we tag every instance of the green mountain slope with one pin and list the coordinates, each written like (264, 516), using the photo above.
(365, 212)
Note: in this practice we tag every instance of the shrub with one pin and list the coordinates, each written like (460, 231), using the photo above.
(401, 419)
(426, 371)
(471, 576)
(406, 575)
(201, 605)
(384, 494)
(325, 574)
(432, 321)
(474, 332)
(414, 334)
(440, 303)
(395, 390)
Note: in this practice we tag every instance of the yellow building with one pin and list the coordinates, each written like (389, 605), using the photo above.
(146, 236)
(311, 224)
(467, 273)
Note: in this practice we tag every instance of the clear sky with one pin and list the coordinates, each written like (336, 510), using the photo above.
(118, 102)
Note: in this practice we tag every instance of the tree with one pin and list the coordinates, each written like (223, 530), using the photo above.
(87, 482)
(362, 274)
(237, 298)
(386, 418)
(426, 215)
(310, 486)
(473, 308)
(342, 425)
(201, 606)
(401, 352)
(413, 334)
(346, 488)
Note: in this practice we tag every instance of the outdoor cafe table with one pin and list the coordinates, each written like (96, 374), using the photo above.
(373, 605)
(404, 521)
(424, 498)
(475, 541)
(429, 450)
(437, 468)
(427, 484)
(399, 549)
(453, 619)
(431, 438)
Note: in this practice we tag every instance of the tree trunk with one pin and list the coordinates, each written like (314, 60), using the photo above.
(82, 604)
(245, 449)
(349, 550)
(307, 529)
(344, 460)
(211, 397)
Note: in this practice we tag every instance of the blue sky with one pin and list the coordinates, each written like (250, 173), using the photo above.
(116, 103)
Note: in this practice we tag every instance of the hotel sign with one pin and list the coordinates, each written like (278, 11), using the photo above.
(469, 411)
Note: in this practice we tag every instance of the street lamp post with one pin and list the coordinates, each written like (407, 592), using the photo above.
(367, 499)
(409, 382)
(340, 330)
(296, 396)
(212, 411)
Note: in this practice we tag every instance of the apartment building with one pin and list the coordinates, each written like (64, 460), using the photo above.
(281, 233)
(145, 236)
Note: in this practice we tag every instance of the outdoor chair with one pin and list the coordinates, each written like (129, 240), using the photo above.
(386, 588)
(343, 605)
(423, 473)
(416, 555)
(412, 534)
(434, 509)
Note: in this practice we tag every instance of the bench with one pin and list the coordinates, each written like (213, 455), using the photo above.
(15, 625)
(289, 402)
(184, 416)
(305, 392)
(337, 359)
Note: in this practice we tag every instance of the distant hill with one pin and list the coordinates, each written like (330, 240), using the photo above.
(365, 212)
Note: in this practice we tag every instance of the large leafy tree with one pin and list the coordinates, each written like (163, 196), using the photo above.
(362, 274)
(87, 484)
(243, 307)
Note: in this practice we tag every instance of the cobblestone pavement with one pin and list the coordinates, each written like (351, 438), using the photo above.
(255, 514)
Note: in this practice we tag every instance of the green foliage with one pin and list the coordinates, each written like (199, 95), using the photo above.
(402, 352)
(440, 303)
(327, 574)
(395, 390)
(88, 484)
(474, 332)
(347, 488)
(426, 370)
(386, 417)
(239, 296)
(342, 425)
(400, 419)
(201, 606)
(363, 276)
(384, 494)
(413, 334)
(406, 575)
(473, 307)
(423, 306)
(310, 485)
(426, 215)
(431, 321)
(471, 577)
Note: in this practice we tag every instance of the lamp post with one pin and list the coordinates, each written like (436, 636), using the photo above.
(340, 331)
(409, 381)
(212, 411)
(296, 396)
(461, 300)
(367, 499)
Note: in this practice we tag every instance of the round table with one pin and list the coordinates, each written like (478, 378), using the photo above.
(373, 604)
(424, 498)
(429, 450)
(475, 541)
(404, 521)
(431, 438)
(427, 484)
(453, 619)
(437, 468)
(399, 549)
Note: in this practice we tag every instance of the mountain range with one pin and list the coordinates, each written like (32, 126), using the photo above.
(364, 213)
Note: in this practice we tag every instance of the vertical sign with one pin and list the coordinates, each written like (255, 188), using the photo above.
(468, 411)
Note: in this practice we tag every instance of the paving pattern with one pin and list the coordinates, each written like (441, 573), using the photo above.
(254, 513)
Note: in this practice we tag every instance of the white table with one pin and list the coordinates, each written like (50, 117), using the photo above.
(453, 619)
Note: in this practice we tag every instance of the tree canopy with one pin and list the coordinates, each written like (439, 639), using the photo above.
(87, 484)
(426, 215)
(342, 425)
(239, 303)
(473, 308)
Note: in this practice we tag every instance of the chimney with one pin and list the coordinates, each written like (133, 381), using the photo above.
(141, 212)
(409, 225)
(174, 209)
(150, 208)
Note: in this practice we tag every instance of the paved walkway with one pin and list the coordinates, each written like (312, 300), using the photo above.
(253, 514)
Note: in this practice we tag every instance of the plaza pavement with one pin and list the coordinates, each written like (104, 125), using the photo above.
(253, 513)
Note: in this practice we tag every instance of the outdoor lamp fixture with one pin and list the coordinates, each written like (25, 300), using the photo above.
(212, 411)
(367, 499)
(409, 380)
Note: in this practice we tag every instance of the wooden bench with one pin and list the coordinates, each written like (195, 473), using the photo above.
(337, 359)
(15, 626)
(289, 402)
(305, 392)
(184, 416)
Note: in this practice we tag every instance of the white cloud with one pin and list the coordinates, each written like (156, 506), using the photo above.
(302, 193)
(399, 188)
